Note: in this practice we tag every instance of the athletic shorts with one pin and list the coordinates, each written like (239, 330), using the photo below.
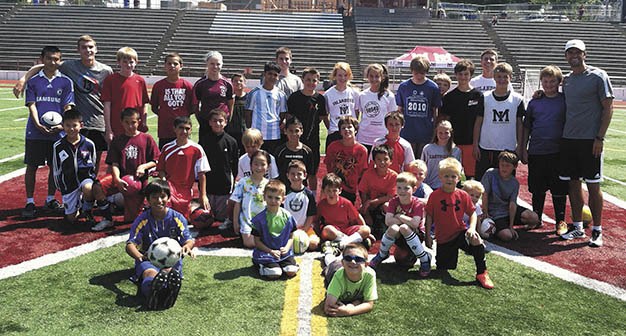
(142, 266)
(97, 137)
(503, 222)
(276, 268)
(219, 206)
(73, 201)
(180, 199)
(448, 252)
(467, 159)
(577, 161)
(347, 230)
(244, 228)
(543, 174)
(38, 152)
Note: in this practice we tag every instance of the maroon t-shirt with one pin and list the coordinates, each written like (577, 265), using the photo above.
(212, 94)
(130, 152)
(170, 100)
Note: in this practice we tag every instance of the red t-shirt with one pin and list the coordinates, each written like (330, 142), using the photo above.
(447, 210)
(130, 152)
(212, 94)
(123, 92)
(348, 162)
(182, 164)
(414, 208)
(171, 100)
(374, 185)
(341, 215)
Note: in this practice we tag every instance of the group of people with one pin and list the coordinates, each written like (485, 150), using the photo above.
(258, 155)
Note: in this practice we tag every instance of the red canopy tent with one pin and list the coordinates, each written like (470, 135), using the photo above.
(439, 57)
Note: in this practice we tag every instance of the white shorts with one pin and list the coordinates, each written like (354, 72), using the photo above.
(73, 201)
(244, 228)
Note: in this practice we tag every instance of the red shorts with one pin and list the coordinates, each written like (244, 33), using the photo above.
(180, 199)
(348, 230)
(467, 159)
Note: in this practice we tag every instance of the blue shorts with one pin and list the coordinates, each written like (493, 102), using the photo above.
(142, 266)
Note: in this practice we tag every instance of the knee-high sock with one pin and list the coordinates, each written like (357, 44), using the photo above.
(559, 207)
(416, 246)
(385, 244)
(146, 286)
(538, 201)
(478, 252)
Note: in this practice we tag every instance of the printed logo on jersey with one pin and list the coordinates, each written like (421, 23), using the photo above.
(344, 109)
(372, 109)
(84, 154)
(63, 155)
(296, 204)
(223, 90)
(445, 206)
(59, 92)
(131, 152)
(417, 105)
(175, 97)
(88, 84)
(500, 117)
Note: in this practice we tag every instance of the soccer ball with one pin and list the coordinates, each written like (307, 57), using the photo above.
(51, 119)
(404, 256)
(487, 228)
(300, 242)
(586, 215)
(164, 252)
(201, 218)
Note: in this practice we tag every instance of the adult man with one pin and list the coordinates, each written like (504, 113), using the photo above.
(589, 100)
(87, 74)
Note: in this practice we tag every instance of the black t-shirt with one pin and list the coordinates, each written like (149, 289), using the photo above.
(309, 110)
(284, 155)
(223, 155)
(462, 109)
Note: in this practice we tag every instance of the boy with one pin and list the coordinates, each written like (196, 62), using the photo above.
(405, 216)
(121, 90)
(237, 123)
(300, 202)
(160, 287)
(418, 99)
(222, 153)
(402, 151)
(350, 284)
(485, 81)
(498, 127)
(171, 97)
(253, 141)
(445, 208)
(338, 217)
(130, 157)
(376, 188)
(272, 229)
(181, 162)
(293, 149)
(476, 190)
(500, 198)
(266, 106)
(443, 82)
(543, 128)
(347, 158)
(49, 90)
(419, 169)
(287, 82)
(310, 108)
(75, 173)
(460, 107)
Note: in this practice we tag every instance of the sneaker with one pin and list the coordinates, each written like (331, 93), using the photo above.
(226, 225)
(88, 216)
(561, 228)
(54, 206)
(331, 247)
(574, 234)
(104, 224)
(375, 262)
(29, 211)
(158, 286)
(596, 238)
(174, 281)
(425, 265)
(484, 280)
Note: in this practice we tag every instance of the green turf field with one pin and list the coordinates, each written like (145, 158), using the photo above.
(91, 295)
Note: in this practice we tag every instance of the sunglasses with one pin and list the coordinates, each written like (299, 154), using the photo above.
(356, 259)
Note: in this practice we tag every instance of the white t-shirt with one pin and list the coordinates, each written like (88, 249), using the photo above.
(373, 110)
(245, 171)
(483, 84)
(499, 128)
(339, 104)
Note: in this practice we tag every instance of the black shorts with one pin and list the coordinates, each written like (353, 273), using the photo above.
(38, 152)
(97, 137)
(543, 174)
(488, 159)
(577, 161)
(503, 222)
(448, 253)
(287, 262)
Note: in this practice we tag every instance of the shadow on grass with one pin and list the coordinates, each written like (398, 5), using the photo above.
(111, 280)
(319, 309)
(249, 271)
(540, 243)
(447, 279)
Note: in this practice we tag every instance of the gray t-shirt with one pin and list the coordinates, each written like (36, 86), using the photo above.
(501, 193)
(584, 94)
(87, 87)
(289, 84)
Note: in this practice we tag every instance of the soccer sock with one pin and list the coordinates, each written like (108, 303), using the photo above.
(597, 228)
(578, 226)
(353, 238)
(538, 201)
(146, 286)
(30, 200)
(478, 252)
(416, 246)
(559, 207)
(105, 208)
(49, 198)
(385, 245)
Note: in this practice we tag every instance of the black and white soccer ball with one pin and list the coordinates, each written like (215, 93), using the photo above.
(164, 252)
(51, 119)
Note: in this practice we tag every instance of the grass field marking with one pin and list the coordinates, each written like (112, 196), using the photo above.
(598, 286)
(615, 181)
(222, 252)
(290, 322)
(57, 257)
(11, 158)
(319, 323)
(12, 174)
(12, 108)
(616, 130)
(306, 295)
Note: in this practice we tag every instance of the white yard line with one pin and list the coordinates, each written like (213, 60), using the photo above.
(11, 158)
(12, 108)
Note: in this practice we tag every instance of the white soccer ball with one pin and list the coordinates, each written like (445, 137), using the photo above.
(51, 119)
(164, 252)
(487, 228)
(300, 242)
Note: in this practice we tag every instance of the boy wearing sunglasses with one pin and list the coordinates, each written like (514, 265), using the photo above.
(350, 284)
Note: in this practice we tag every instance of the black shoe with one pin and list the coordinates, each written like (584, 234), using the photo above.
(54, 206)
(29, 211)
(89, 220)
(159, 284)
(174, 281)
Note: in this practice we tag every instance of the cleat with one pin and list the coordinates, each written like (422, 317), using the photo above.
(104, 224)
(574, 234)
(561, 228)
(596, 238)
(54, 206)
(174, 281)
(29, 211)
(377, 260)
(425, 265)
(158, 285)
(226, 225)
(89, 220)
(484, 280)
(331, 247)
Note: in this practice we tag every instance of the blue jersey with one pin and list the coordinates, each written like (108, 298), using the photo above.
(417, 102)
(146, 229)
(545, 118)
(273, 240)
(48, 94)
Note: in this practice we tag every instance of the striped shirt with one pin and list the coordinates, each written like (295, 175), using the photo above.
(266, 107)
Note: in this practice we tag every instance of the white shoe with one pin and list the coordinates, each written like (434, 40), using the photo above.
(104, 224)
(596, 238)
(574, 234)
